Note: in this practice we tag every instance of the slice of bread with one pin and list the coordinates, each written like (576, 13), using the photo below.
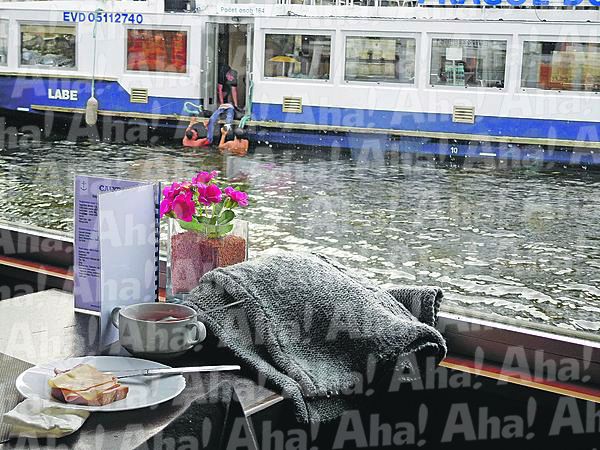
(110, 395)
(85, 385)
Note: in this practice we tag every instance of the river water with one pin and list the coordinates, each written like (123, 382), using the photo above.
(517, 242)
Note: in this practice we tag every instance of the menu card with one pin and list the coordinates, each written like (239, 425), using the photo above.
(128, 237)
(87, 253)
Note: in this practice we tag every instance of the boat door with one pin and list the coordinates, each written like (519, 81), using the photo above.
(249, 72)
(209, 66)
(229, 46)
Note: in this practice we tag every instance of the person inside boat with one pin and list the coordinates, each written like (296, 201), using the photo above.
(238, 146)
(227, 85)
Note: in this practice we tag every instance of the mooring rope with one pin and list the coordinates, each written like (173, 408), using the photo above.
(192, 108)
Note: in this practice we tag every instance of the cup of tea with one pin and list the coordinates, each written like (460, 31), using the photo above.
(160, 330)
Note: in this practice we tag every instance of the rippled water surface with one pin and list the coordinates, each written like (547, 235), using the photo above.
(522, 243)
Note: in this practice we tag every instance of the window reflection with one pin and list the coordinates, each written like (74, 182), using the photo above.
(48, 46)
(157, 50)
(297, 56)
(569, 66)
(468, 62)
(380, 59)
(3, 42)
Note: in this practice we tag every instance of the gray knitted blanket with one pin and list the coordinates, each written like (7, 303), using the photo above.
(314, 331)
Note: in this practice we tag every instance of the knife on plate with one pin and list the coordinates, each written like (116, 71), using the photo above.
(171, 371)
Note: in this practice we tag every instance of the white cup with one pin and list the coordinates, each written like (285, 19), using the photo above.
(160, 330)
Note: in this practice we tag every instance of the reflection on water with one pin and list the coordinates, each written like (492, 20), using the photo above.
(520, 243)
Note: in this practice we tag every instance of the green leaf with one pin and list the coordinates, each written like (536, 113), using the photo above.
(226, 217)
(194, 225)
(223, 230)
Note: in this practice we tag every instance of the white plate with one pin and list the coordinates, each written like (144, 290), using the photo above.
(143, 391)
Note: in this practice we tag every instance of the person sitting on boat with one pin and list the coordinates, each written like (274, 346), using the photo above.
(227, 85)
(239, 145)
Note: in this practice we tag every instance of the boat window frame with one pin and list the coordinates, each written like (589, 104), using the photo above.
(511, 341)
(508, 38)
(383, 34)
(6, 20)
(331, 33)
(187, 29)
(549, 38)
(55, 24)
(468, 334)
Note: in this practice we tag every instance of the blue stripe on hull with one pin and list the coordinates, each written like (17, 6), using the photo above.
(373, 146)
(23, 92)
(430, 122)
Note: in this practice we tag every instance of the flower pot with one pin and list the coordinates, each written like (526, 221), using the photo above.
(191, 254)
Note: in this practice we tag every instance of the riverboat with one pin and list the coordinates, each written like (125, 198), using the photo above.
(504, 79)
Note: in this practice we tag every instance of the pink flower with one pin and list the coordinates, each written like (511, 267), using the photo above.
(166, 206)
(210, 194)
(204, 177)
(239, 197)
(184, 206)
(170, 192)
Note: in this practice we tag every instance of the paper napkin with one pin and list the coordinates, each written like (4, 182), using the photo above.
(38, 418)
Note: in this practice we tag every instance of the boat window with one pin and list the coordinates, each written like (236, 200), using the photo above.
(48, 46)
(468, 62)
(569, 66)
(380, 59)
(3, 42)
(297, 56)
(157, 50)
